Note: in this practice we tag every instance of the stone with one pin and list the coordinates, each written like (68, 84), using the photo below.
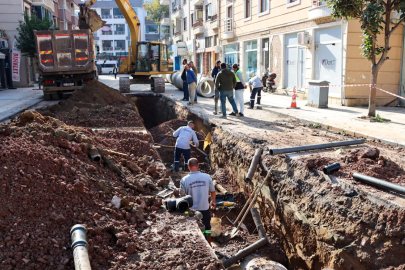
(61, 133)
(371, 153)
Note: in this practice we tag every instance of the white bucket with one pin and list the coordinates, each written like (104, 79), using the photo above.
(215, 227)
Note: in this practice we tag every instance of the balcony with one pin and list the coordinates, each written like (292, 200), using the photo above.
(106, 33)
(118, 17)
(177, 36)
(108, 48)
(228, 29)
(48, 4)
(119, 33)
(106, 16)
(167, 40)
(75, 20)
(214, 22)
(165, 21)
(198, 27)
(197, 2)
(66, 10)
(319, 10)
(177, 12)
(178, 33)
(164, 2)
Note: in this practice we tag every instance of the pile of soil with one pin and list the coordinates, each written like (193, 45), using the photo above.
(163, 134)
(96, 105)
(49, 183)
(366, 161)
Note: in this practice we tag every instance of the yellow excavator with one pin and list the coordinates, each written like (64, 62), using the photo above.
(146, 60)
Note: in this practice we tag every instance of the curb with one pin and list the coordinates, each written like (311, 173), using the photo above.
(7, 116)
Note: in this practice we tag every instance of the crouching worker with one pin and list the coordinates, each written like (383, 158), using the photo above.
(184, 136)
(199, 185)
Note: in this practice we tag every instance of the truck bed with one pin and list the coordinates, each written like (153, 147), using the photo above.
(61, 52)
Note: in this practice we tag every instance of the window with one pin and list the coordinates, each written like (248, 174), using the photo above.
(291, 3)
(119, 45)
(229, 12)
(216, 41)
(152, 29)
(192, 18)
(263, 7)
(184, 2)
(117, 13)
(208, 42)
(105, 13)
(208, 12)
(248, 10)
(185, 24)
(107, 45)
(163, 53)
(119, 29)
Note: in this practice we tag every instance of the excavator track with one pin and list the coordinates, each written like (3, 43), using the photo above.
(157, 85)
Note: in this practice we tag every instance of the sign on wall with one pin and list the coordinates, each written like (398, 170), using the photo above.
(181, 48)
(16, 59)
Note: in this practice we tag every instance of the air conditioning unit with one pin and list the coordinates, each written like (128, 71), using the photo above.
(218, 49)
(303, 38)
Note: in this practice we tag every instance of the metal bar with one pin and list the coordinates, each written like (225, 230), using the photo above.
(379, 183)
(314, 147)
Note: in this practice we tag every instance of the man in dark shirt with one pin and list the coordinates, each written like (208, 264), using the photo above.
(184, 78)
(214, 73)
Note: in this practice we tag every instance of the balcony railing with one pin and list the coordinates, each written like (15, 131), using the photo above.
(198, 23)
(119, 48)
(106, 33)
(118, 16)
(214, 17)
(106, 16)
(119, 33)
(178, 33)
(319, 3)
(228, 28)
(319, 9)
(108, 48)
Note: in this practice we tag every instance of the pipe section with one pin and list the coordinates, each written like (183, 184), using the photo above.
(253, 165)
(94, 154)
(204, 87)
(331, 168)
(314, 147)
(379, 183)
(78, 234)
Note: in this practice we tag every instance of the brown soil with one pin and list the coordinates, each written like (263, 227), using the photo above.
(96, 105)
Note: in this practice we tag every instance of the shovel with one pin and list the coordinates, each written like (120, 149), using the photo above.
(236, 230)
(243, 209)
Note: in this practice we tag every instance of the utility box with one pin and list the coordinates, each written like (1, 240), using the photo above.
(124, 85)
(318, 93)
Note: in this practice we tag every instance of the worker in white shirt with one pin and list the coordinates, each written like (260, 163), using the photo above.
(184, 136)
(256, 86)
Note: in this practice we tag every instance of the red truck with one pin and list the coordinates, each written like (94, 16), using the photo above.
(66, 60)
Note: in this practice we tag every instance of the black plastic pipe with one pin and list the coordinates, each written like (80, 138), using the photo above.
(331, 168)
(379, 183)
(78, 234)
(313, 147)
(253, 165)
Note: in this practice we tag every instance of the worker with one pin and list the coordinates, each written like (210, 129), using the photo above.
(214, 73)
(184, 136)
(198, 185)
(239, 88)
(184, 78)
(192, 66)
(115, 71)
(256, 86)
(192, 83)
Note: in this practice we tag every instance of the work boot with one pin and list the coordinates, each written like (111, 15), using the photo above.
(176, 167)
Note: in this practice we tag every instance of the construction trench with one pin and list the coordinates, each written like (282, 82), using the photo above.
(51, 180)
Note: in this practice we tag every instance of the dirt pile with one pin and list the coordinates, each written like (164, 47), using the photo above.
(49, 183)
(163, 134)
(96, 105)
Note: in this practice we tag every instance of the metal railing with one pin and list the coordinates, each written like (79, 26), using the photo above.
(106, 33)
(108, 48)
(319, 3)
(178, 33)
(228, 25)
(106, 16)
(119, 33)
(214, 17)
(118, 16)
(198, 23)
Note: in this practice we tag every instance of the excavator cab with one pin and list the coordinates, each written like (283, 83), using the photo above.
(151, 58)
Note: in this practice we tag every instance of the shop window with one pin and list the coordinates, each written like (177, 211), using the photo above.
(291, 3)
(247, 9)
(263, 7)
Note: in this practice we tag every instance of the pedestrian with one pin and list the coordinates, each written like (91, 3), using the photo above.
(184, 78)
(256, 86)
(115, 71)
(239, 88)
(184, 136)
(191, 64)
(214, 74)
(198, 185)
(192, 82)
(225, 82)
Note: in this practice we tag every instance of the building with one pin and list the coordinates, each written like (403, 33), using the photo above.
(152, 31)
(114, 38)
(194, 27)
(300, 41)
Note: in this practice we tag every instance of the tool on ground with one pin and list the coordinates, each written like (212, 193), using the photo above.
(78, 234)
(244, 207)
(236, 230)
(224, 202)
(165, 193)
(181, 204)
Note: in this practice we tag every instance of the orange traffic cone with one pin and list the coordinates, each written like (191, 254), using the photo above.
(294, 100)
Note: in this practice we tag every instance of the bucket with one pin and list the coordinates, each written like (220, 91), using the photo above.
(215, 227)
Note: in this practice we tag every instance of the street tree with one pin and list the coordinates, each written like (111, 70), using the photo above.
(26, 29)
(376, 21)
(156, 11)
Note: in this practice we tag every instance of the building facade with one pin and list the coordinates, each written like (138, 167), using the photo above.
(300, 41)
(114, 38)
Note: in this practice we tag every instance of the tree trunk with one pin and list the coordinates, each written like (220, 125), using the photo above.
(373, 92)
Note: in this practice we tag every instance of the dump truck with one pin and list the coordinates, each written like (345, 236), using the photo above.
(66, 60)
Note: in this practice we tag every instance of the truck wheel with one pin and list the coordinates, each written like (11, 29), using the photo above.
(47, 97)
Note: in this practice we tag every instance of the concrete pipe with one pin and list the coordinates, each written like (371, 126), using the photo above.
(177, 81)
(78, 234)
(168, 78)
(205, 87)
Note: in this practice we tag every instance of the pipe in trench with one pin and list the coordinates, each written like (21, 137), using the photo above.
(94, 154)
(331, 168)
(253, 165)
(78, 234)
(314, 147)
(256, 245)
(379, 183)
(205, 85)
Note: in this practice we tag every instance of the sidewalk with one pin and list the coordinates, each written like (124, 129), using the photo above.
(15, 100)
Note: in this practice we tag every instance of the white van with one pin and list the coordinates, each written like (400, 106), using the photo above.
(107, 67)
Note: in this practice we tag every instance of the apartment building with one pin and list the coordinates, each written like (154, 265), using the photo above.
(194, 32)
(114, 38)
(301, 41)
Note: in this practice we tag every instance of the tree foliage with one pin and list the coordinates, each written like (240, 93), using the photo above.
(156, 11)
(26, 29)
(375, 19)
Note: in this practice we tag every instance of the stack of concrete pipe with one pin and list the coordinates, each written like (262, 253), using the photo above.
(205, 85)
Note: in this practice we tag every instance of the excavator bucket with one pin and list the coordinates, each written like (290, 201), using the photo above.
(207, 140)
(89, 19)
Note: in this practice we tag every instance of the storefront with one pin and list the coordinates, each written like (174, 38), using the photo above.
(294, 62)
(231, 54)
(250, 66)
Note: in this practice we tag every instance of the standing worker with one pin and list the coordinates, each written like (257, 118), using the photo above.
(199, 185)
(240, 86)
(184, 136)
(184, 78)
(257, 85)
(115, 71)
(192, 83)
(225, 82)
(192, 66)
(214, 74)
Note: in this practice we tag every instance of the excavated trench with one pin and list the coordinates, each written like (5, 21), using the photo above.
(320, 221)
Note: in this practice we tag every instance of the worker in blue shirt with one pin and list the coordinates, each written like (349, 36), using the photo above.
(192, 83)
